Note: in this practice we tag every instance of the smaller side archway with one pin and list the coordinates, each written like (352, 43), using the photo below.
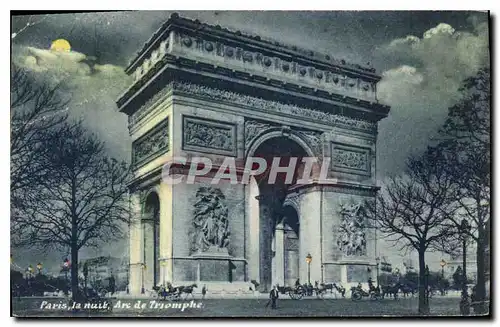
(150, 223)
(291, 245)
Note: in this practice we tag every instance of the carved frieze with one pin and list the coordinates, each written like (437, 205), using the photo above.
(208, 136)
(183, 44)
(151, 144)
(155, 57)
(333, 79)
(350, 159)
(210, 224)
(351, 230)
(268, 105)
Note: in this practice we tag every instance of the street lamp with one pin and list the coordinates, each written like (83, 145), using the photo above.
(377, 259)
(39, 267)
(128, 278)
(464, 302)
(66, 265)
(443, 264)
(163, 264)
(309, 258)
(143, 266)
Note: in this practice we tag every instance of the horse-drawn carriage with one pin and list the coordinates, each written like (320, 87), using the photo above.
(299, 291)
(172, 293)
(357, 293)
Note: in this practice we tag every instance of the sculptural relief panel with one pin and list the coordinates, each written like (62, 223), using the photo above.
(351, 159)
(209, 136)
(210, 225)
(351, 230)
(151, 144)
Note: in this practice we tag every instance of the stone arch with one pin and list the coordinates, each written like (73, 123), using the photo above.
(292, 201)
(277, 142)
(278, 132)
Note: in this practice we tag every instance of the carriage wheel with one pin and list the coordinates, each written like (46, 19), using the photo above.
(356, 296)
(292, 295)
(300, 293)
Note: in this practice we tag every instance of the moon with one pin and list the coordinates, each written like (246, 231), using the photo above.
(60, 45)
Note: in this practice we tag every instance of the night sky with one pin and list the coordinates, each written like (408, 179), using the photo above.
(422, 57)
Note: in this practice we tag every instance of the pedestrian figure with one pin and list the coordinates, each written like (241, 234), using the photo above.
(204, 291)
(273, 297)
(370, 284)
(112, 284)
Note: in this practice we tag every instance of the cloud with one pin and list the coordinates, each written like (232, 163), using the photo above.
(93, 89)
(421, 82)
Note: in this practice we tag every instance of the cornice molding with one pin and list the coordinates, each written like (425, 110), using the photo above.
(185, 43)
(175, 22)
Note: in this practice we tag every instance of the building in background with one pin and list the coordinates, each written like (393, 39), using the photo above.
(408, 266)
(455, 261)
(101, 268)
(385, 265)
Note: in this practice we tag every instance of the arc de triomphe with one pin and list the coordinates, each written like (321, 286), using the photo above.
(201, 90)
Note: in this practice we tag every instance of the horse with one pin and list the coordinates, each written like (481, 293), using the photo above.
(390, 290)
(285, 289)
(340, 289)
(408, 289)
(330, 286)
(188, 290)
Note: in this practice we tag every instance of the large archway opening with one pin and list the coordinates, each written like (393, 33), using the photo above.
(278, 225)
(151, 240)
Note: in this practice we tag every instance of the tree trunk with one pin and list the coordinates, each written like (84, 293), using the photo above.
(423, 305)
(74, 272)
(74, 244)
(481, 271)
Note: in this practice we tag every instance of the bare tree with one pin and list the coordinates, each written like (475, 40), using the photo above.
(465, 142)
(81, 202)
(30, 22)
(410, 211)
(36, 107)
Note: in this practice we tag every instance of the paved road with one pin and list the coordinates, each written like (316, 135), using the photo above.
(242, 308)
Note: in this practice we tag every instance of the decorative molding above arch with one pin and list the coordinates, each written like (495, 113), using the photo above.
(278, 132)
(293, 201)
(254, 128)
(144, 195)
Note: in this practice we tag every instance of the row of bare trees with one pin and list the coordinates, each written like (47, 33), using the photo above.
(422, 209)
(66, 192)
